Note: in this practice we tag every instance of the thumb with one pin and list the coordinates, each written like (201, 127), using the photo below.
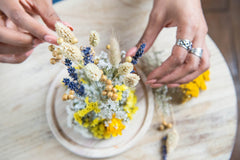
(131, 52)
(154, 26)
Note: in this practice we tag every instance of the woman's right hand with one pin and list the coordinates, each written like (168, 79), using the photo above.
(20, 32)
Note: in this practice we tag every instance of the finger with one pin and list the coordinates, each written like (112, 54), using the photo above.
(68, 25)
(16, 38)
(190, 65)
(46, 11)
(173, 85)
(131, 52)
(204, 65)
(177, 57)
(15, 58)
(156, 85)
(10, 49)
(9, 24)
(27, 6)
(154, 26)
(25, 21)
(151, 81)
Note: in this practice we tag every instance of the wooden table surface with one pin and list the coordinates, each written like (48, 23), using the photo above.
(206, 125)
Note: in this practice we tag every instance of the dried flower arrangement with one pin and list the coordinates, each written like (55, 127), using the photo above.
(99, 89)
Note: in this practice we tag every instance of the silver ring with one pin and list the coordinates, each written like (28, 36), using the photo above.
(185, 43)
(197, 52)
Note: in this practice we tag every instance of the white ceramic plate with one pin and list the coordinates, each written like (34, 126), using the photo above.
(89, 147)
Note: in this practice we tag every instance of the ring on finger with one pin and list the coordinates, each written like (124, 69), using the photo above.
(185, 43)
(197, 52)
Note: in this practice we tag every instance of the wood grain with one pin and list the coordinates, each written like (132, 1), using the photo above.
(229, 25)
(206, 125)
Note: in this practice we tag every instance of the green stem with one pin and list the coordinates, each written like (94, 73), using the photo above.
(115, 76)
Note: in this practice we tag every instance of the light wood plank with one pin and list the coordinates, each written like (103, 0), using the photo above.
(206, 125)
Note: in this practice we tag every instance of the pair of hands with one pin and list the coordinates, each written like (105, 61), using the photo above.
(181, 67)
(20, 31)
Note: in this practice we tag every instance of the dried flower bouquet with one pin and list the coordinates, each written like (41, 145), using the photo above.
(100, 89)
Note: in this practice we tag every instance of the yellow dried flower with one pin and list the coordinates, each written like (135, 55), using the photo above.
(71, 52)
(83, 81)
(90, 106)
(64, 32)
(130, 106)
(125, 68)
(115, 54)
(93, 72)
(115, 126)
(119, 96)
(121, 88)
(100, 131)
(193, 88)
(77, 118)
(94, 122)
(94, 38)
(131, 80)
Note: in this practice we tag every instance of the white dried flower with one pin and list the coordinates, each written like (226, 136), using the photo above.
(94, 38)
(123, 54)
(172, 140)
(125, 68)
(93, 72)
(71, 52)
(131, 80)
(64, 32)
(115, 54)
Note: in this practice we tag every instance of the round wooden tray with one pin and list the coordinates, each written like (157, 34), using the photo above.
(90, 147)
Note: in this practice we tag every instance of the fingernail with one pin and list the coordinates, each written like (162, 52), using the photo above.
(50, 39)
(68, 25)
(151, 81)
